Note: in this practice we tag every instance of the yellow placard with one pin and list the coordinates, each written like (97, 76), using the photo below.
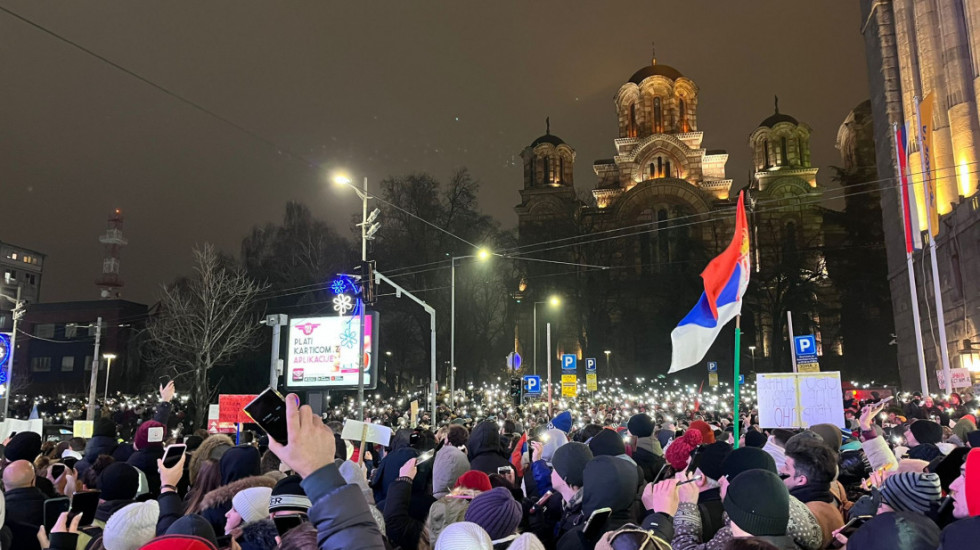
(569, 379)
(414, 412)
(82, 428)
(808, 367)
(569, 390)
(713, 379)
(590, 382)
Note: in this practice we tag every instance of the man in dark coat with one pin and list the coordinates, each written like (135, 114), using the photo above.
(484, 449)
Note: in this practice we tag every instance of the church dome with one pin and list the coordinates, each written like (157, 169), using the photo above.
(776, 118)
(654, 70)
(547, 138)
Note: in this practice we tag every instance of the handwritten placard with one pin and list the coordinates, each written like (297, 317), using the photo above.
(800, 400)
(374, 433)
(83, 428)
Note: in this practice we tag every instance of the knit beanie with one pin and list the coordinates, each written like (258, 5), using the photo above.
(252, 503)
(527, 541)
(570, 460)
(755, 439)
(971, 478)
(679, 452)
(640, 425)
(179, 542)
(464, 534)
(23, 446)
(193, 442)
(474, 480)
(556, 438)
(758, 502)
(239, 462)
(288, 496)
(607, 443)
(747, 458)
(712, 458)
(119, 481)
(911, 491)
(193, 525)
(132, 526)
(830, 434)
(664, 437)
(897, 530)
(707, 434)
(496, 512)
(562, 422)
(104, 427)
(142, 439)
(926, 431)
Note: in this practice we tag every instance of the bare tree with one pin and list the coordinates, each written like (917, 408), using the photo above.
(205, 320)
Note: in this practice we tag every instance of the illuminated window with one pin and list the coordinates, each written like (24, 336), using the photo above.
(561, 169)
(682, 106)
(13, 256)
(71, 330)
(41, 364)
(88, 363)
(631, 131)
(765, 161)
(658, 121)
(67, 364)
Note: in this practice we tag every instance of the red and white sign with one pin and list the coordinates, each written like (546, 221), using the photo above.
(223, 417)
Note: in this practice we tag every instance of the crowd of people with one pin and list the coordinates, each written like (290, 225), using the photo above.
(653, 472)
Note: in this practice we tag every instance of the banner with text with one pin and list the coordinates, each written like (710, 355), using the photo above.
(800, 400)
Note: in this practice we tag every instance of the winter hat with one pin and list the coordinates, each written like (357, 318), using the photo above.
(495, 511)
(23, 446)
(527, 541)
(971, 477)
(664, 437)
(142, 438)
(755, 439)
(903, 530)
(562, 422)
(830, 434)
(607, 443)
(193, 525)
(252, 503)
(464, 534)
(747, 458)
(68, 453)
(179, 542)
(640, 425)
(926, 431)
(119, 481)
(570, 460)
(609, 482)
(707, 434)
(449, 464)
(239, 462)
(477, 481)
(679, 452)
(758, 502)
(193, 442)
(132, 526)
(911, 491)
(556, 438)
(105, 427)
(258, 535)
(288, 496)
(712, 458)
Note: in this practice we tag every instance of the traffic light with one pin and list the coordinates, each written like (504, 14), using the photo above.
(367, 281)
(515, 390)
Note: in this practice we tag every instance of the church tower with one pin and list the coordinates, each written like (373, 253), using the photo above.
(548, 202)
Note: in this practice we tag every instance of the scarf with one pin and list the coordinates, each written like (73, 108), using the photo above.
(812, 493)
(650, 444)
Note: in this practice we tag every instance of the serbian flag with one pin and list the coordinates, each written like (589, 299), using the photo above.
(910, 208)
(515, 457)
(725, 281)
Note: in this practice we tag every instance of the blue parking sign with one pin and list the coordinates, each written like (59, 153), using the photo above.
(806, 346)
(532, 384)
(590, 364)
(569, 362)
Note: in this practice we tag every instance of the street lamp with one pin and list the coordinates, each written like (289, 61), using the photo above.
(366, 233)
(483, 254)
(553, 301)
(108, 357)
(752, 349)
(608, 353)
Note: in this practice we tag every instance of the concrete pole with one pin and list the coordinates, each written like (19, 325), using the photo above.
(96, 360)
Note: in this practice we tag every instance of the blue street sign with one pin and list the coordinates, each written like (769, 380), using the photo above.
(806, 348)
(514, 360)
(532, 384)
(569, 362)
(590, 364)
(741, 379)
(712, 366)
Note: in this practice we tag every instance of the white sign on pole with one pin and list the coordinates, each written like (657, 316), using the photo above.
(800, 400)
(960, 378)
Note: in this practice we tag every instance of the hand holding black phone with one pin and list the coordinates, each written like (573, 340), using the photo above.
(268, 410)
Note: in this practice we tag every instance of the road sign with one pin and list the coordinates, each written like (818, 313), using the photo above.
(713, 379)
(806, 347)
(741, 379)
(808, 367)
(590, 364)
(569, 362)
(590, 382)
(712, 366)
(532, 384)
(514, 360)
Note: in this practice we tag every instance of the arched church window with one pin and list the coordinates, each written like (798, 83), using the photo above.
(631, 131)
(561, 169)
(682, 106)
(799, 151)
(667, 169)
(545, 170)
(660, 167)
(782, 158)
(653, 170)
(765, 161)
(658, 114)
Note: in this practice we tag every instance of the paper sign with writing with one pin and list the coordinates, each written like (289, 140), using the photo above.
(960, 378)
(230, 408)
(376, 433)
(413, 407)
(800, 400)
(11, 425)
(82, 428)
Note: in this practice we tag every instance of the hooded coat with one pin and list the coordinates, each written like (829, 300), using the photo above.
(387, 472)
(203, 453)
(609, 482)
(484, 449)
(216, 504)
(448, 464)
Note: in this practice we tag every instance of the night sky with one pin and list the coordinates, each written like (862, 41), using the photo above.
(379, 88)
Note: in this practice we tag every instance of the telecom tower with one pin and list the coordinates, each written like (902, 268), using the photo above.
(112, 241)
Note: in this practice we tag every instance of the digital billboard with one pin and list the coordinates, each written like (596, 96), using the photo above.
(323, 352)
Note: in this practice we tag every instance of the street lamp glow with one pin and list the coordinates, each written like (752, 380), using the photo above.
(483, 254)
(341, 179)
(555, 301)
(109, 356)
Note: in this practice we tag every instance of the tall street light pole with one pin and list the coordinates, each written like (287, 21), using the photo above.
(483, 254)
(108, 365)
(608, 370)
(17, 313)
(554, 301)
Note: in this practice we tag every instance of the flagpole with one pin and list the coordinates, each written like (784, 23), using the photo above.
(907, 220)
(738, 353)
(937, 293)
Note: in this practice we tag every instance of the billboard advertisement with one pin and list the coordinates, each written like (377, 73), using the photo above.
(323, 352)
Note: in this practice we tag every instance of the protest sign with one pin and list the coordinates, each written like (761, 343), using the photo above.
(372, 433)
(800, 400)
(230, 408)
(83, 428)
(12, 425)
(959, 378)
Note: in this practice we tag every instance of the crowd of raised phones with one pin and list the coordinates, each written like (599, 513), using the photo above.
(902, 476)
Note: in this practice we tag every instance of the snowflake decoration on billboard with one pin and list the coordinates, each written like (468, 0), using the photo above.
(342, 303)
(338, 286)
(348, 339)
